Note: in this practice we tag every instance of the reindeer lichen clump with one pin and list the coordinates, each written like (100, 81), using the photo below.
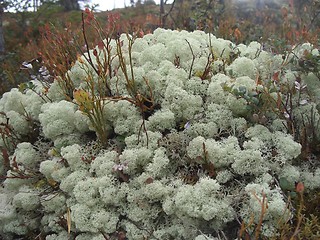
(170, 135)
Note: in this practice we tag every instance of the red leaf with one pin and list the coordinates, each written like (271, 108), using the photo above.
(100, 45)
(149, 180)
(89, 16)
(122, 235)
(14, 163)
(211, 170)
(124, 177)
(299, 187)
(141, 33)
(5, 156)
(95, 53)
(87, 11)
(275, 76)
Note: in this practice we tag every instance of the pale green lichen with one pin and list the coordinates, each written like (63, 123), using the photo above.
(185, 167)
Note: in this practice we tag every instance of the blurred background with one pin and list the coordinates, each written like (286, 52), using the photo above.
(30, 30)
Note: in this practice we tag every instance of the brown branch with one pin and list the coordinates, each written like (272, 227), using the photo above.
(193, 58)
(264, 207)
(163, 18)
(89, 59)
(299, 217)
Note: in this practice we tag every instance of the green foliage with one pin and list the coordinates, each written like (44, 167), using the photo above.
(309, 63)
(10, 74)
(149, 2)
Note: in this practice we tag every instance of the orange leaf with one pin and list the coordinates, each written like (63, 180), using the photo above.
(237, 34)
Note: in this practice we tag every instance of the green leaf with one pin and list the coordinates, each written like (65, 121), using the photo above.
(285, 184)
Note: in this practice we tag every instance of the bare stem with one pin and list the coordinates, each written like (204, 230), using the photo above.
(193, 58)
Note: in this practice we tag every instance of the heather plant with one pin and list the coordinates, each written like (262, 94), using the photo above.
(171, 135)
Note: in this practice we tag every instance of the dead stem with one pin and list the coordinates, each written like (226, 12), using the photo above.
(193, 58)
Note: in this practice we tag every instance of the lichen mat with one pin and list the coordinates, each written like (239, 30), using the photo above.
(185, 136)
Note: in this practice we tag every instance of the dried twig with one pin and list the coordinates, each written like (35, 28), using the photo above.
(193, 58)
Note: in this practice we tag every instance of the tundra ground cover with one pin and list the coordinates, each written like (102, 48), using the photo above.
(142, 139)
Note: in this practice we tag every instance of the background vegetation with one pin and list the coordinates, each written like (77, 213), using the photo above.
(278, 24)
